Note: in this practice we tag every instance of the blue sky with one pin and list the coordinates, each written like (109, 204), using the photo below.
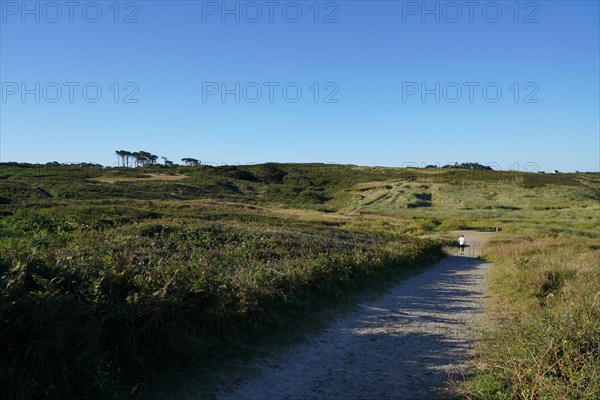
(391, 83)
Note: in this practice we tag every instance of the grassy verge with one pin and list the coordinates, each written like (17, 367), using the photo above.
(543, 335)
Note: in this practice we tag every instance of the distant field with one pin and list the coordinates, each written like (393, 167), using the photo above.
(107, 273)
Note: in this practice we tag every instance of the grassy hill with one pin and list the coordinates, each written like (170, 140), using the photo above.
(107, 274)
(410, 200)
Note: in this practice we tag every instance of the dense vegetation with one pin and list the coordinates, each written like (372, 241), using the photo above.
(101, 284)
(107, 273)
(409, 199)
(543, 341)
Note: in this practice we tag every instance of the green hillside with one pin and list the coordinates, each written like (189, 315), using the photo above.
(412, 200)
(110, 275)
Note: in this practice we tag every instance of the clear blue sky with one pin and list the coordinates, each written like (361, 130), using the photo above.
(371, 62)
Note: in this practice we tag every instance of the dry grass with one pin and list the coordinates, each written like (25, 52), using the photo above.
(555, 210)
(147, 177)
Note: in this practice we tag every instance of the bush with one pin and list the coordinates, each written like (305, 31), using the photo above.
(312, 197)
(270, 173)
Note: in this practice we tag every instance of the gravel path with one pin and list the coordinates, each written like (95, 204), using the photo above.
(403, 346)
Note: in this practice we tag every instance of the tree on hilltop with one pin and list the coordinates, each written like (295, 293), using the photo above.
(138, 158)
(127, 155)
(142, 158)
(122, 156)
(190, 161)
(469, 165)
(167, 162)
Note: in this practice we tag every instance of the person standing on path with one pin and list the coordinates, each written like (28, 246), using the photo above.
(461, 244)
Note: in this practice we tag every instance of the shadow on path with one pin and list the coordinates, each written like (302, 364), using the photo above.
(402, 346)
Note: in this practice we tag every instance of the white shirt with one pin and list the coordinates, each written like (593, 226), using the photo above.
(461, 240)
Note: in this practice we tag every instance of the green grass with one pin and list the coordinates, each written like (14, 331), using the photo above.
(552, 209)
(542, 339)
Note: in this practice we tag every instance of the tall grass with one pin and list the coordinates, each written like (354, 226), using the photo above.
(543, 335)
(90, 310)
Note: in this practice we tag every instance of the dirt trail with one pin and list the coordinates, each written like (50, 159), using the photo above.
(402, 346)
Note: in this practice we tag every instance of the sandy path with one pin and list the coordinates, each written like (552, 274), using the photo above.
(402, 346)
